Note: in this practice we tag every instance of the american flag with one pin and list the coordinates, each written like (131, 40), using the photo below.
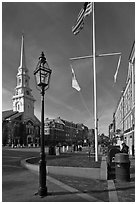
(85, 11)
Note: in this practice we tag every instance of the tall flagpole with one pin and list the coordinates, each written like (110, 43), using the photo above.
(76, 30)
(95, 91)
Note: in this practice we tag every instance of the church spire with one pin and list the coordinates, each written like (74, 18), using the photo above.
(22, 54)
(23, 100)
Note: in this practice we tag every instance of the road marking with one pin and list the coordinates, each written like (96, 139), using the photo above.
(112, 191)
(74, 190)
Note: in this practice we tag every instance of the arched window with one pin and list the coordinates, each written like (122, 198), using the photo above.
(29, 127)
(26, 82)
(19, 81)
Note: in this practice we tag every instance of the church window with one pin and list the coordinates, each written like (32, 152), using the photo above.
(26, 82)
(37, 130)
(27, 92)
(20, 91)
(19, 81)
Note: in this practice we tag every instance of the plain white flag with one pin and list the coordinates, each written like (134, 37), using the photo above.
(75, 84)
(116, 73)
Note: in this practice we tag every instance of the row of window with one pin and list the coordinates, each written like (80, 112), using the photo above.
(70, 127)
(128, 123)
(20, 91)
(125, 106)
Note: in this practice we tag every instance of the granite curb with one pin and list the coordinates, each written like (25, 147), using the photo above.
(91, 173)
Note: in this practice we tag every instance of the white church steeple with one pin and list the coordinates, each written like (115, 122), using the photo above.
(23, 100)
(22, 54)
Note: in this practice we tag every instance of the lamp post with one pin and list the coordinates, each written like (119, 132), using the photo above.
(42, 76)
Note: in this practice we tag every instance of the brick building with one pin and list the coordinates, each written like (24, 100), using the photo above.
(124, 115)
(62, 132)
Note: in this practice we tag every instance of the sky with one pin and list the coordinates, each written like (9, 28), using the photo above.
(47, 26)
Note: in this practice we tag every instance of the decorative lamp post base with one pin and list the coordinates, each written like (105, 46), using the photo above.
(42, 177)
(43, 191)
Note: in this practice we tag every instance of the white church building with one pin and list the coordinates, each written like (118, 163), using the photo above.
(20, 127)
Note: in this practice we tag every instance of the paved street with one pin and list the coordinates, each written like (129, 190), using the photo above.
(21, 185)
(13, 175)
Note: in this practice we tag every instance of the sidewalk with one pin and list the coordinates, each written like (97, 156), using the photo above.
(66, 192)
(26, 186)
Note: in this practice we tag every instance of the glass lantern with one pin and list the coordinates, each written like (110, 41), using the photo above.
(42, 72)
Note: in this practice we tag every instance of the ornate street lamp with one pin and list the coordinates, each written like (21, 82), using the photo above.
(42, 76)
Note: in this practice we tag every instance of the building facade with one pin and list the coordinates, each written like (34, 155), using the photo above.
(61, 132)
(124, 115)
(20, 126)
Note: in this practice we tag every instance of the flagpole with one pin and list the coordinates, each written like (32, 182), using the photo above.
(95, 91)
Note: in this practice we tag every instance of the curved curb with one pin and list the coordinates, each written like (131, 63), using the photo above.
(91, 173)
(29, 166)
